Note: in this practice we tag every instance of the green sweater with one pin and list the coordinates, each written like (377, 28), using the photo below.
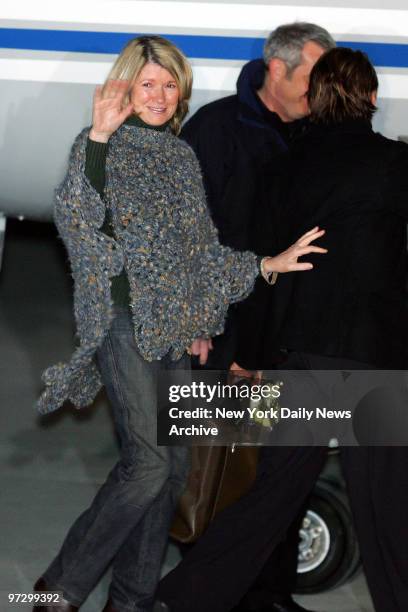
(95, 165)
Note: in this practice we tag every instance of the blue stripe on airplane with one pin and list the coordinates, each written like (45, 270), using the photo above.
(210, 47)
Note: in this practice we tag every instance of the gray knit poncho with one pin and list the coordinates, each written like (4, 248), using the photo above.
(181, 279)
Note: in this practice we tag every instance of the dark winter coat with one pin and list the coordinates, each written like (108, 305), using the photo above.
(231, 137)
(353, 183)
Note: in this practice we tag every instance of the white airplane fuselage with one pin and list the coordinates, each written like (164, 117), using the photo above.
(53, 54)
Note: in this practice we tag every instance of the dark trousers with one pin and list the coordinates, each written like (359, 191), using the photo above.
(277, 579)
(226, 561)
(281, 567)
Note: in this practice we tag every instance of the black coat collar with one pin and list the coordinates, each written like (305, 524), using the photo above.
(251, 109)
(362, 126)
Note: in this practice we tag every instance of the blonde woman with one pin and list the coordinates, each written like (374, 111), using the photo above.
(151, 279)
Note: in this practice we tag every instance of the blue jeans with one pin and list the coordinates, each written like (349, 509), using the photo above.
(128, 522)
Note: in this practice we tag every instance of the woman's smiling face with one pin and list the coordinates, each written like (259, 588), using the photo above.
(154, 95)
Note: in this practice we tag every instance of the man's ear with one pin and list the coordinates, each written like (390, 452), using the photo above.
(374, 97)
(276, 69)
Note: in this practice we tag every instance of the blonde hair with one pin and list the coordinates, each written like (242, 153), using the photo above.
(157, 50)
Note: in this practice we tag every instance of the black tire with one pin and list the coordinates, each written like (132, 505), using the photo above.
(328, 552)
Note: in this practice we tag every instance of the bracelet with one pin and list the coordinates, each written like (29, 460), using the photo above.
(270, 277)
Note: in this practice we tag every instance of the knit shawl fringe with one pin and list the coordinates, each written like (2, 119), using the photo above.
(181, 279)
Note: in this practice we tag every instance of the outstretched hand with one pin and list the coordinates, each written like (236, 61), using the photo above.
(288, 260)
(109, 111)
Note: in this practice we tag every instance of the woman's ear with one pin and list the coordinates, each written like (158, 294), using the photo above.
(374, 97)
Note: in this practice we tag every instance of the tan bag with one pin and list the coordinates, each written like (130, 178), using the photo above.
(219, 476)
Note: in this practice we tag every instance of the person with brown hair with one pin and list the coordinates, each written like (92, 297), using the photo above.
(151, 282)
(350, 314)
